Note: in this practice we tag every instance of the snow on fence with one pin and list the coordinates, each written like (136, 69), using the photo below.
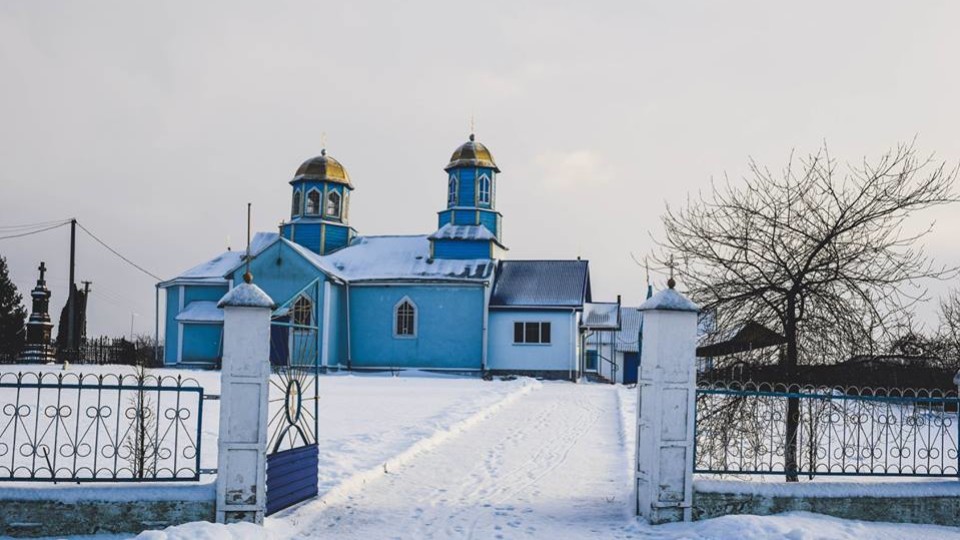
(741, 429)
(99, 427)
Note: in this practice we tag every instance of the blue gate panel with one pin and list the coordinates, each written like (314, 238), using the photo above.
(631, 363)
(291, 477)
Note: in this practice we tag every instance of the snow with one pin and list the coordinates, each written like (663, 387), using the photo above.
(370, 258)
(462, 232)
(438, 456)
(246, 295)
(669, 300)
(601, 316)
(215, 269)
(201, 311)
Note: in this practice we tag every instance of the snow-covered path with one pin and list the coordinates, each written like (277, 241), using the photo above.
(550, 465)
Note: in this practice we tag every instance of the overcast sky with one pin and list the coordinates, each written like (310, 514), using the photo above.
(154, 123)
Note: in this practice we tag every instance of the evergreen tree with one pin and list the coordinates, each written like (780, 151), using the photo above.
(13, 315)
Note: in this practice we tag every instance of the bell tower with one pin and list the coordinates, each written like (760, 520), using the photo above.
(320, 206)
(470, 226)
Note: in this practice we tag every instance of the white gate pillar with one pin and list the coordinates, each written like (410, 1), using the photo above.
(666, 386)
(244, 391)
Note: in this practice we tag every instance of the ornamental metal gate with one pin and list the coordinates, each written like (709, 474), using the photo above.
(292, 452)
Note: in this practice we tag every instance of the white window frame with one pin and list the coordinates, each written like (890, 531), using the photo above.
(453, 186)
(539, 341)
(326, 204)
(306, 202)
(481, 192)
(396, 315)
(297, 202)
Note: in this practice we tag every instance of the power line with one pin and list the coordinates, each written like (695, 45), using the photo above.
(28, 233)
(33, 225)
(117, 253)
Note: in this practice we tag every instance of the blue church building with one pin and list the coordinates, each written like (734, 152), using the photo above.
(450, 300)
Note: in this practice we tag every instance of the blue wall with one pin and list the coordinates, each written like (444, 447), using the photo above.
(449, 326)
(208, 293)
(559, 355)
(336, 237)
(461, 249)
(170, 329)
(282, 281)
(337, 336)
(488, 218)
(202, 342)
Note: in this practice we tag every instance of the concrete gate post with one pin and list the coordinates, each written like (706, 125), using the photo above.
(244, 391)
(666, 386)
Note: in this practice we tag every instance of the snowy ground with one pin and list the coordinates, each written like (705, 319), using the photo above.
(441, 457)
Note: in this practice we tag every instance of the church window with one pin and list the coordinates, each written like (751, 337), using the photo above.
(484, 190)
(405, 319)
(534, 333)
(302, 313)
(452, 191)
(296, 203)
(313, 202)
(333, 204)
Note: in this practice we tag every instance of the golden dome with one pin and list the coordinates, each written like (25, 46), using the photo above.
(472, 154)
(323, 168)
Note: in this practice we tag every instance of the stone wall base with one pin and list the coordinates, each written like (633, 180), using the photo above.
(31, 517)
(937, 510)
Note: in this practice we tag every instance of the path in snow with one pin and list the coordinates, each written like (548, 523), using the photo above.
(550, 465)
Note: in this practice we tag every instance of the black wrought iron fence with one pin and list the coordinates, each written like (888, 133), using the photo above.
(741, 429)
(99, 427)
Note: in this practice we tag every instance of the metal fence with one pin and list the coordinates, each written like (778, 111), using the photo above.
(99, 427)
(741, 429)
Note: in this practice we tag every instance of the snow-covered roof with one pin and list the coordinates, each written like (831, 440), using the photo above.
(215, 270)
(550, 284)
(402, 258)
(628, 338)
(601, 316)
(463, 232)
(201, 311)
(669, 300)
(246, 295)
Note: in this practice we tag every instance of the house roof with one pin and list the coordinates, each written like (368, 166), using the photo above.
(462, 232)
(745, 337)
(402, 258)
(201, 311)
(628, 338)
(550, 284)
(216, 269)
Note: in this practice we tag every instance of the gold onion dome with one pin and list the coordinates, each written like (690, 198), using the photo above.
(472, 154)
(323, 168)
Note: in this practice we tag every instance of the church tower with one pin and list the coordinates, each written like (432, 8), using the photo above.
(470, 226)
(320, 204)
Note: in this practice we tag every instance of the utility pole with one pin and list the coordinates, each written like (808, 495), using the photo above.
(71, 297)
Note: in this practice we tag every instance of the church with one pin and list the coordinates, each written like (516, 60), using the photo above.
(449, 300)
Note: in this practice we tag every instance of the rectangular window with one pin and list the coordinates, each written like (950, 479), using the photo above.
(531, 332)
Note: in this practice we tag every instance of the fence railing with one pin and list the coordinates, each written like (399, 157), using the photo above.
(741, 429)
(99, 427)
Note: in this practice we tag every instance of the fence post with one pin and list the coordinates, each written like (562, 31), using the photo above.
(666, 400)
(244, 391)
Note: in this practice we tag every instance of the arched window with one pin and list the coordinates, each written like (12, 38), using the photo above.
(302, 313)
(313, 202)
(484, 189)
(296, 203)
(333, 204)
(452, 191)
(405, 319)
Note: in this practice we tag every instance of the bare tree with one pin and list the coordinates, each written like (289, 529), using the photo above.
(821, 255)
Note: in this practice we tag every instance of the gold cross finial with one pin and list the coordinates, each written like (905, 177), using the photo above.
(473, 127)
(323, 140)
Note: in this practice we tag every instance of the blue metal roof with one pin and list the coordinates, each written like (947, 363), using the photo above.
(550, 284)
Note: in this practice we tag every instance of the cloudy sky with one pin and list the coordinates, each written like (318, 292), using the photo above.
(154, 123)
